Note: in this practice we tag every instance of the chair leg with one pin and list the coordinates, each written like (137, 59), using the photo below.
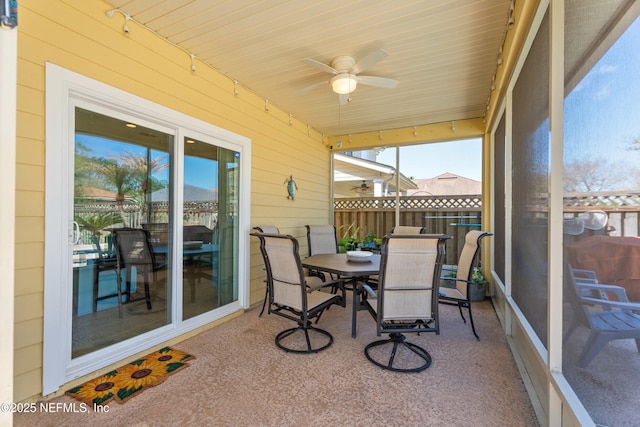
(592, 347)
(147, 293)
(119, 285)
(461, 315)
(307, 339)
(264, 303)
(96, 287)
(473, 328)
(398, 340)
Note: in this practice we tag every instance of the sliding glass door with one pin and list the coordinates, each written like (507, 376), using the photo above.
(210, 203)
(151, 209)
(121, 176)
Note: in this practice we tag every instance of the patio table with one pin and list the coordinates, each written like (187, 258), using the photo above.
(339, 264)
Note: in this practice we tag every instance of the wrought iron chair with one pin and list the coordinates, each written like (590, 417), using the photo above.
(459, 295)
(294, 296)
(133, 249)
(269, 229)
(406, 300)
(606, 319)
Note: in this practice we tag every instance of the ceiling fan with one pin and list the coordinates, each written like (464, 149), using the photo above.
(362, 188)
(346, 76)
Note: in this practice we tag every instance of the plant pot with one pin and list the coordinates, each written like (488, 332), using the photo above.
(477, 291)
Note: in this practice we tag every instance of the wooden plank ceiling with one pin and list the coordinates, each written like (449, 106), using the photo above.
(444, 53)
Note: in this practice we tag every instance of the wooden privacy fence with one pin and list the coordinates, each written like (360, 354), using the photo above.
(456, 215)
(452, 215)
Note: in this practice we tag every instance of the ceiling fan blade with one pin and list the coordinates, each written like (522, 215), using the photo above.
(383, 82)
(369, 61)
(320, 66)
(310, 88)
(344, 98)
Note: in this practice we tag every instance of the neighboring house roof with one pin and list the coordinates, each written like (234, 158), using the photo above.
(191, 194)
(446, 184)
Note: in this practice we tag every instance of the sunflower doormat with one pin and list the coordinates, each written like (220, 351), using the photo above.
(132, 379)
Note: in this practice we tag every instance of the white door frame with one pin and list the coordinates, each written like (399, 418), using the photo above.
(63, 87)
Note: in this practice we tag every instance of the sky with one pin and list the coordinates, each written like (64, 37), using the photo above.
(602, 113)
(424, 161)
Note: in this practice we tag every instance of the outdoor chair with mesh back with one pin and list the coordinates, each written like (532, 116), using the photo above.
(406, 300)
(408, 229)
(294, 296)
(269, 229)
(459, 295)
(133, 250)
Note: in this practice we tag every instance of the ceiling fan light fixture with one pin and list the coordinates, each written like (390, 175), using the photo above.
(343, 84)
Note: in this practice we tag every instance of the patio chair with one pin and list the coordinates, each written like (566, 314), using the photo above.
(407, 229)
(201, 233)
(294, 296)
(594, 220)
(269, 229)
(406, 300)
(321, 239)
(133, 249)
(105, 261)
(606, 319)
(398, 230)
(459, 295)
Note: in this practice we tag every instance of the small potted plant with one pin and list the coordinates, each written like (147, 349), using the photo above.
(478, 285)
(369, 240)
(350, 238)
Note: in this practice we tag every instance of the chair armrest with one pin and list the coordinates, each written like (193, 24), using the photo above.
(620, 305)
(313, 285)
(453, 279)
(618, 291)
(370, 290)
(585, 274)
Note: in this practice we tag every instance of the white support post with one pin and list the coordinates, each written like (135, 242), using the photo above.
(8, 81)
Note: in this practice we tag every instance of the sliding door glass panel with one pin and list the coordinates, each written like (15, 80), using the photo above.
(209, 225)
(120, 168)
(601, 184)
(530, 176)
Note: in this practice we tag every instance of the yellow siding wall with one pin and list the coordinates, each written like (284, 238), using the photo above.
(77, 35)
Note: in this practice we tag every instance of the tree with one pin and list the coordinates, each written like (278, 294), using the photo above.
(594, 175)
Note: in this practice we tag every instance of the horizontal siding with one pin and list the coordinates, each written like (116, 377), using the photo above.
(28, 307)
(79, 36)
(29, 203)
(29, 281)
(29, 229)
(30, 152)
(28, 334)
